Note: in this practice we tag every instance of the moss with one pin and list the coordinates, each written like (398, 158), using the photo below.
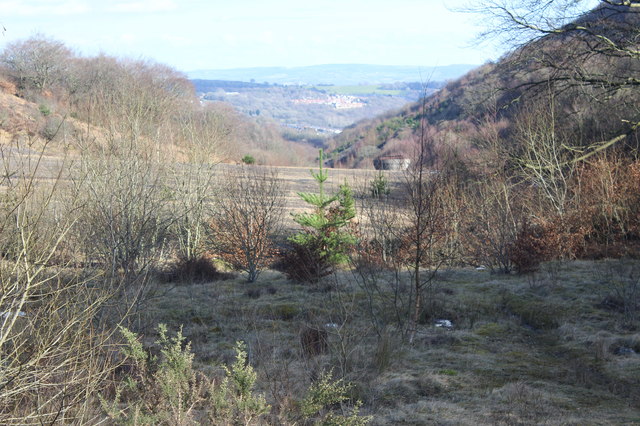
(492, 329)
(283, 311)
(533, 311)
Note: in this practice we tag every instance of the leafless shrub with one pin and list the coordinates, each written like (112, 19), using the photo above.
(123, 221)
(247, 218)
(54, 343)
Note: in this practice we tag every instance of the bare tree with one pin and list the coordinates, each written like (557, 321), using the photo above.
(547, 159)
(425, 224)
(206, 134)
(248, 216)
(379, 258)
(38, 62)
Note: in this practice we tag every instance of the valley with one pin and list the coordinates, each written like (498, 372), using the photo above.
(217, 248)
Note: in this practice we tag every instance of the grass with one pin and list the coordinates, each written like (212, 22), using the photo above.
(522, 350)
(359, 90)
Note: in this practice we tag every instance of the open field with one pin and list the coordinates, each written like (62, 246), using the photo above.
(299, 179)
(373, 89)
(540, 349)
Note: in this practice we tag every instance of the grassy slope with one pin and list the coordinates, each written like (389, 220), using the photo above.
(524, 350)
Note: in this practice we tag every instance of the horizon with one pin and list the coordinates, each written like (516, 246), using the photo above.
(194, 35)
(340, 64)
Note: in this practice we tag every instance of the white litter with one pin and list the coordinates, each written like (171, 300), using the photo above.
(444, 323)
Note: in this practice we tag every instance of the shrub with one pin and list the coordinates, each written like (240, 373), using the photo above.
(532, 312)
(530, 248)
(281, 311)
(161, 391)
(327, 393)
(314, 341)
(305, 263)
(248, 159)
(247, 219)
(44, 110)
(167, 390)
(234, 402)
(197, 270)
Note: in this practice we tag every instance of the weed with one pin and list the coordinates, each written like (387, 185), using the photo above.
(44, 110)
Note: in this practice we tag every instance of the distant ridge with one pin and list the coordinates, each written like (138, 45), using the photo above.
(337, 74)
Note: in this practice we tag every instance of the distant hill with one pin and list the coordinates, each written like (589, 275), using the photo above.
(343, 74)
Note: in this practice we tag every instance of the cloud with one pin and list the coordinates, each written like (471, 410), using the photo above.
(143, 6)
(43, 7)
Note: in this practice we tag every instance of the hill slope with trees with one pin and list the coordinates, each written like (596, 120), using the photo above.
(585, 65)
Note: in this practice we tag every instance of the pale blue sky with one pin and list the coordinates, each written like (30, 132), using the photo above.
(200, 34)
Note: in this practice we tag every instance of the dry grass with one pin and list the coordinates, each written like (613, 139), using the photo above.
(493, 367)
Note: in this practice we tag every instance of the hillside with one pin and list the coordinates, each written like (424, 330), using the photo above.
(592, 87)
(90, 103)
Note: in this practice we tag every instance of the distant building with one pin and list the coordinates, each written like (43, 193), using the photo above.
(392, 162)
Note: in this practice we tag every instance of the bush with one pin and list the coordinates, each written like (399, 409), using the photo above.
(164, 391)
(533, 313)
(248, 159)
(328, 393)
(247, 219)
(304, 263)
(314, 341)
(44, 110)
(198, 270)
(530, 248)
(167, 390)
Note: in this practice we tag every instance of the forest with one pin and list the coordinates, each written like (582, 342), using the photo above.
(152, 273)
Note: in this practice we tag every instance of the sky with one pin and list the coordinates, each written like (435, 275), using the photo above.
(194, 35)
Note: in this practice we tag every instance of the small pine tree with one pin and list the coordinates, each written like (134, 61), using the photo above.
(325, 239)
(379, 186)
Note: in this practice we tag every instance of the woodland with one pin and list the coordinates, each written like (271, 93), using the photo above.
(163, 261)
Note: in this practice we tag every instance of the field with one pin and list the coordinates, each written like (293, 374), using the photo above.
(540, 349)
(373, 89)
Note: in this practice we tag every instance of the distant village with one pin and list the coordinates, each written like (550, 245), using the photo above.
(336, 101)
